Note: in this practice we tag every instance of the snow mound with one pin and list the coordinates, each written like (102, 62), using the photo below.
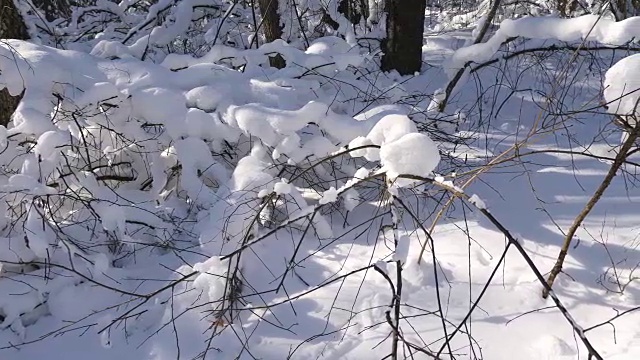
(551, 347)
(389, 128)
(412, 154)
(328, 45)
(211, 279)
(621, 85)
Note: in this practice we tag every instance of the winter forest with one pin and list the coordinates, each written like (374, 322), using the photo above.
(319, 179)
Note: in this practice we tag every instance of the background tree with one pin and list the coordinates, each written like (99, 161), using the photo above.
(12, 26)
(271, 27)
(624, 9)
(405, 27)
(354, 10)
(53, 9)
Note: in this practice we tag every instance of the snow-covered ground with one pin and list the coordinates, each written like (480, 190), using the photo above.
(316, 243)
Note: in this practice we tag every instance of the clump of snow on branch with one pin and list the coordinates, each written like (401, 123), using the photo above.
(412, 154)
(584, 28)
(621, 85)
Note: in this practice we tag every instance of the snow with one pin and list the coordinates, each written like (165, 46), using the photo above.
(195, 156)
(147, 164)
(361, 173)
(588, 28)
(477, 202)
(402, 249)
(328, 45)
(337, 50)
(391, 128)
(387, 128)
(282, 187)
(211, 280)
(39, 233)
(399, 157)
(48, 145)
(329, 196)
(621, 85)
(351, 199)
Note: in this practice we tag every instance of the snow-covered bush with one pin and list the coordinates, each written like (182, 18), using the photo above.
(109, 158)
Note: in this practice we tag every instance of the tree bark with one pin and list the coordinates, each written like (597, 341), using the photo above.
(624, 9)
(53, 9)
(405, 27)
(12, 26)
(271, 27)
(354, 10)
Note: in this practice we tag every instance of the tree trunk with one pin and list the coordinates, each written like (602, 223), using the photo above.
(624, 9)
(12, 26)
(53, 9)
(271, 27)
(405, 27)
(354, 10)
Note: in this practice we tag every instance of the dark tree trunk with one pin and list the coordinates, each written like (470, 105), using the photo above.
(53, 9)
(354, 10)
(405, 27)
(624, 9)
(566, 7)
(271, 27)
(12, 26)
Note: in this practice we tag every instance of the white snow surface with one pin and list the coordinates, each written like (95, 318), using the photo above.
(131, 191)
(412, 154)
(621, 87)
